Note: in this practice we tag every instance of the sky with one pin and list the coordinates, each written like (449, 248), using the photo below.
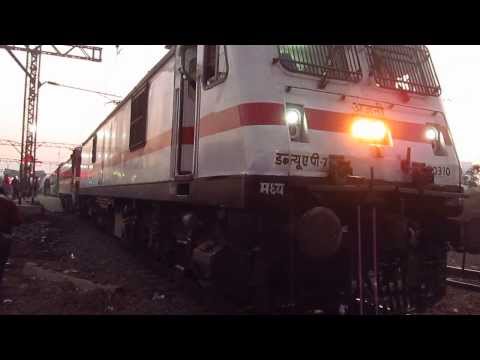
(69, 116)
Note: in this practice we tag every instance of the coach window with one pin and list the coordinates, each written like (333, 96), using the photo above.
(138, 119)
(215, 65)
(94, 149)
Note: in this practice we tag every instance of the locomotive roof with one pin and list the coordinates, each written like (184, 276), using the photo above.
(148, 76)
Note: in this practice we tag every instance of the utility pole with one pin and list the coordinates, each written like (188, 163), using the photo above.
(30, 103)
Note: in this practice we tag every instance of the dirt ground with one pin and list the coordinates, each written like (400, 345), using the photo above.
(73, 247)
(460, 301)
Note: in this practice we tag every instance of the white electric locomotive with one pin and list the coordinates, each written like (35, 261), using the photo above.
(308, 175)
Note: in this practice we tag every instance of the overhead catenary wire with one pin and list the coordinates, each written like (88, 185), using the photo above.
(111, 85)
(81, 89)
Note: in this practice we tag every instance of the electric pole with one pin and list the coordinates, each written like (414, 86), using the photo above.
(30, 102)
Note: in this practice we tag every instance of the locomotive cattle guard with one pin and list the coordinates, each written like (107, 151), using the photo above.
(319, 176)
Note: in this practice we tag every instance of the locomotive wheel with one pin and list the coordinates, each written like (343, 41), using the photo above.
(128, 237)
(153, 234)
(68, 204)
(260, 286)
(83, 207)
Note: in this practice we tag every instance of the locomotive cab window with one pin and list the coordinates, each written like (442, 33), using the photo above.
(406, 68)
(138, 119)
(215, 65)
(339, 62)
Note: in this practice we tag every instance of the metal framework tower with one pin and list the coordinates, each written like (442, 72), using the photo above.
(30, 109)
(29, 128)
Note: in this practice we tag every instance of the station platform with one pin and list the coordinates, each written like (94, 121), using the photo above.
(50, 203)
(27, 209)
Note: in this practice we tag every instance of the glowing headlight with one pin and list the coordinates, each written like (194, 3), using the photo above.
(372, 131)
(293, 116)
(431, 134)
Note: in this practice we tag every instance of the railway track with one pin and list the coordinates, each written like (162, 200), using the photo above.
(463, 277)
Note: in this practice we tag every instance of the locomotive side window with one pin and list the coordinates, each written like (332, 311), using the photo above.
(404, 67)
(94, 149)
(324, 61)
(215, 65)
(138, 119)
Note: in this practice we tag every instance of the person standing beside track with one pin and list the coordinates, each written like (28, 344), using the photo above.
(46, 187)
(9, 217)
(16, 188)
(6, 185)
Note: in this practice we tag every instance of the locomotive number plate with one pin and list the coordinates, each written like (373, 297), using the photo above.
(441, 171)
(308, 162)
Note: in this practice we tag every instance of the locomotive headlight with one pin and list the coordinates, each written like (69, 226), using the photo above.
(431, 134)
(295, 120)
(293, 116)
(372, 131)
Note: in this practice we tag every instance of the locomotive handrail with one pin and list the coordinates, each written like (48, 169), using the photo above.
(343, 96)
(433, 193)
